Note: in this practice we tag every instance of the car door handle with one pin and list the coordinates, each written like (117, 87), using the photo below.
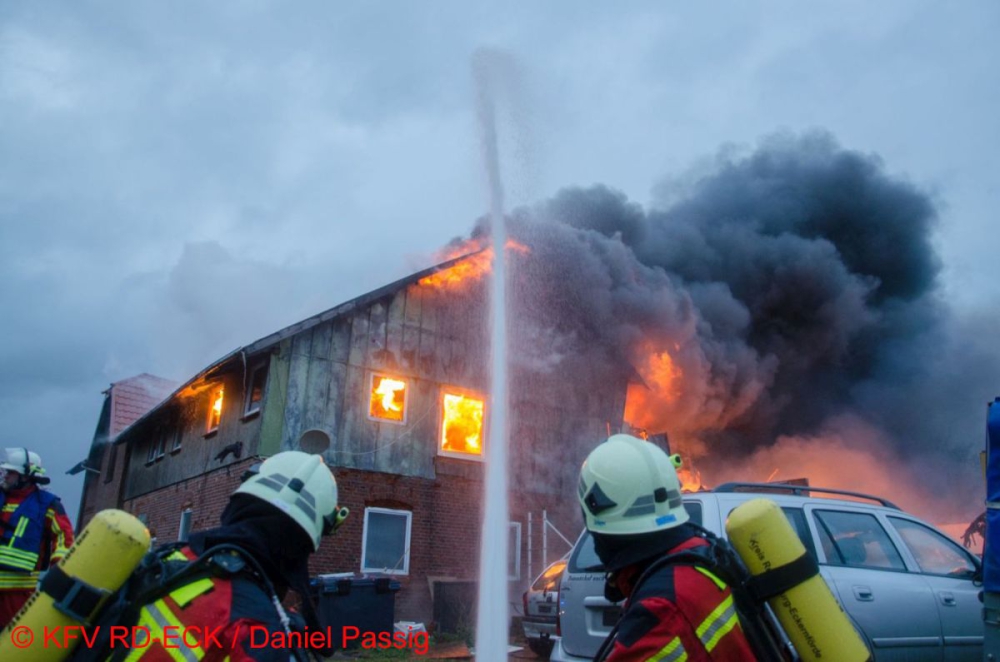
(863, 593)
(947, 598)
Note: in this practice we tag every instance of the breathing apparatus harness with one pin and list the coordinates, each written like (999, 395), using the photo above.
(158, 575)
(718, 557)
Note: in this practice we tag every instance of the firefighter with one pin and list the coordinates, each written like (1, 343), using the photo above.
(632, 506)
(36, 530)
(226, 585)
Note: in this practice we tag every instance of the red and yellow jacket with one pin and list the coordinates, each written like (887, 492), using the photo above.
(36, 533)
(234, 620)
(680, 613)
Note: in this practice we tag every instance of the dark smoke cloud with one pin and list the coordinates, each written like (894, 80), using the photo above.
(794, 288)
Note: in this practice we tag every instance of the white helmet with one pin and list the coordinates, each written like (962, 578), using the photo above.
(25, 462)
(630, 486)
(301, 486)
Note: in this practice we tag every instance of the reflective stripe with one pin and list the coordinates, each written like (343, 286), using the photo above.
(719, 623)
(26, 580)
(15, 558)
(715, 580)
(157, 616)
(189, 592)
(672, 652)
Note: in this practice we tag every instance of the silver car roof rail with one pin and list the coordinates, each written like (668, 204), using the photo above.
(798, 490)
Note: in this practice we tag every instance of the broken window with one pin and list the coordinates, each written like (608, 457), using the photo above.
(388, 399)
(255, 391)
(461, 424)
(215, 409)
(385, 544)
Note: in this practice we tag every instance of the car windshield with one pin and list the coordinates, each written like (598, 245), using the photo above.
(547, 580)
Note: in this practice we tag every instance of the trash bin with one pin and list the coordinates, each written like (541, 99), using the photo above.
(369, 604)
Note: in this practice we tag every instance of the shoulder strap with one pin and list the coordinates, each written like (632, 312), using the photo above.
(159, 573)
(719, 558)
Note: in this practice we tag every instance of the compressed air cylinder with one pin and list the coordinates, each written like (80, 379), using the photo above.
(808, 612)
(103, 556)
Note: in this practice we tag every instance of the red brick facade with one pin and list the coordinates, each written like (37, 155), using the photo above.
(445, 531)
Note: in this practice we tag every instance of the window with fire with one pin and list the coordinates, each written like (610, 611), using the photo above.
(462, 417)
(388, 399)
(215, 409)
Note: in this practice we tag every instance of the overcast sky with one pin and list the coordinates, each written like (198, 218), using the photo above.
(180, 179)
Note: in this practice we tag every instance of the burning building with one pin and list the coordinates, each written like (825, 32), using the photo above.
(392, 388)
(779, 313)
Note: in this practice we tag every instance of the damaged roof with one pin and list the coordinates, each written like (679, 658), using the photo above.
(269, 341)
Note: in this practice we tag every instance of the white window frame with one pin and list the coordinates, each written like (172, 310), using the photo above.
(178, 441)
(158, 448)
(405, 568)
(515, 528)
(406, 398)
(455, 390)
(249, 408)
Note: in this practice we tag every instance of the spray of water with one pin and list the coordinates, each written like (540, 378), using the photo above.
(491, 622)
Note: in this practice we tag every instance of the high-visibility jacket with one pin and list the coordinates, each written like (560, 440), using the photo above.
(225, 617)
(36, 533)
(679, 613)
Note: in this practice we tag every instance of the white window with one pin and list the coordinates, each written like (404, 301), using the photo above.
(514, 550)
(157, 449)
(385, 544)
(178, 438)
(255, 390)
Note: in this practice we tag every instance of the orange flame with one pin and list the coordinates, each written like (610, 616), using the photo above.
(388, 398)
(690, 480)
(462, 425)
(662, 378)
(215, 415)
(478, 262)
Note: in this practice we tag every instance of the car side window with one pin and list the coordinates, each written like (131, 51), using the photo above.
(934, 553)
(797, 519)
(856, 540)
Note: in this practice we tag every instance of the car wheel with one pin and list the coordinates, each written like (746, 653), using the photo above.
(540, 647)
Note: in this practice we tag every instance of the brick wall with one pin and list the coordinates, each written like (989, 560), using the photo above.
(445, 528)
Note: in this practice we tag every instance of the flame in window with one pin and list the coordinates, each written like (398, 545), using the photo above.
(215, 413)
(462, 427)
(388, 399)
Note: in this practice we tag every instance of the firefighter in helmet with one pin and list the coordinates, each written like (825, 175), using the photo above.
(632, 506)
(35, 529)
(230, 581)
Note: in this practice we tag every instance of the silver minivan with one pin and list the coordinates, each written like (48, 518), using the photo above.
(913, 592)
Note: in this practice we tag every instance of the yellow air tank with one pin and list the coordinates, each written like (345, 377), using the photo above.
(808, 612)
(102, 558)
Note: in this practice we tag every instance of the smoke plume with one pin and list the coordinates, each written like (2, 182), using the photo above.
(781, 310)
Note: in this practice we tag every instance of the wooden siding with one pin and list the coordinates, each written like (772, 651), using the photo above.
(320, 379)
(330, 369)
(188, 412)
